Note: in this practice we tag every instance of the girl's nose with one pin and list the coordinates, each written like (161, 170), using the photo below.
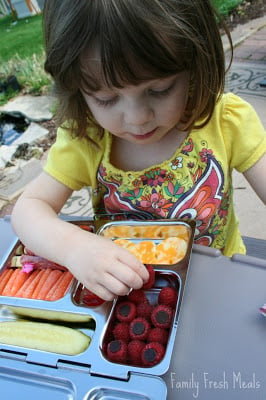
(137, 113)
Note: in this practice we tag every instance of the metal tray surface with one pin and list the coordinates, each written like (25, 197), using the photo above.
(62, 383)
(104, 379)
(102, 315)
(111, 394)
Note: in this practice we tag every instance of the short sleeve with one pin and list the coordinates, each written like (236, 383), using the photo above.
(73, 161)
(244, 134)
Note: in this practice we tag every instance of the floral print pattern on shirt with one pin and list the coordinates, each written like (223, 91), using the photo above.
(188, 186)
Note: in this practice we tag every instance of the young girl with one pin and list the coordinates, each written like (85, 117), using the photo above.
(142, 120)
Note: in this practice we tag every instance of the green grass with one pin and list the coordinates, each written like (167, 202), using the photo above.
(24, 37)
(22, 55)
(225, 6)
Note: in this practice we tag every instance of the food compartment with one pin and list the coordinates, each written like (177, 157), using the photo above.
(146, 229)
(142, 323)
(26, 275)
(158, 243)
(34, 385)
(45, 330)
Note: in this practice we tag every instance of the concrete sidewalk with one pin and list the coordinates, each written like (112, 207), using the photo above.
(246, 74)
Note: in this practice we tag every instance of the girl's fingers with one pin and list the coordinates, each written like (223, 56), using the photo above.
(125, 257)
(115, 285)
(127, 276)
(116, 282)
(112, 289)
(104, 293)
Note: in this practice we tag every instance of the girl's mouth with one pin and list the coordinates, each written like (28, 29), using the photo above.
(145, 135)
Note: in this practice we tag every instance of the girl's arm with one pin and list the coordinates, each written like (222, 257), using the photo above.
(103, 267)
(256, 176)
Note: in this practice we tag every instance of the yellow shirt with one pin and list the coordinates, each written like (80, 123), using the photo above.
(195, 183)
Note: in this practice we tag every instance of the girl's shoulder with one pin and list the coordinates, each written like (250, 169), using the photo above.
(92, 139)
(241, 130)
(234, 108)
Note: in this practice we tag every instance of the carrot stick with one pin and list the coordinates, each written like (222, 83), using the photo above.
(8, 288)
(43, 277)
(19, 281)
(4, 278)
(50, 281)
(59, 289)
(19, 278)
(28, 286)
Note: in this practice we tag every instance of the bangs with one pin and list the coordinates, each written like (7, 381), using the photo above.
(130, 50)
(124, 68)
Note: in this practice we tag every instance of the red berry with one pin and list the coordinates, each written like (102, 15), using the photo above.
(117, 351)
(152, 353)
(90, 299)
(125, 311)
(135, 348)
(149, 284)
(168, 296)
(137, 296)
(159, 335)
(161, 316)
(144, 310)
(121, 331)
(139, 329)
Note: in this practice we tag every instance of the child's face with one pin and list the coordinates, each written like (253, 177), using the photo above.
(141, 114)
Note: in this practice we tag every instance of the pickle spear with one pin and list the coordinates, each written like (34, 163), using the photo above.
(44, 336)
(50, 315)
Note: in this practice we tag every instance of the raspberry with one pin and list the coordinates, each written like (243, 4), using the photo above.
(149, 284)
(152, 353)
(139, 328)
(159, 335)
(121, 332)
(135, 348)
(161, 316)
(125, 311)
(90, 299)
(137, 296)
(168, 296)
(144, 310)
(117, 351)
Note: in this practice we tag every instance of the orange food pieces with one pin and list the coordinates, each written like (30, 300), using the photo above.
(42, 284)
(145, 251)
(171, 250)
(168, 251)
(151, 231)
(127, 244)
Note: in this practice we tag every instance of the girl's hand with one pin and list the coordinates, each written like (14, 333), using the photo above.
(103, 267)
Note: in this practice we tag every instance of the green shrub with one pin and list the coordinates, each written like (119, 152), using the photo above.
(225, 6)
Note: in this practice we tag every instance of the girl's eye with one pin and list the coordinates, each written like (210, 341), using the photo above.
(160, 93)
(105, 103)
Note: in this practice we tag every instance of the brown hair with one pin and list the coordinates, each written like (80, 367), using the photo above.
(137, 40)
